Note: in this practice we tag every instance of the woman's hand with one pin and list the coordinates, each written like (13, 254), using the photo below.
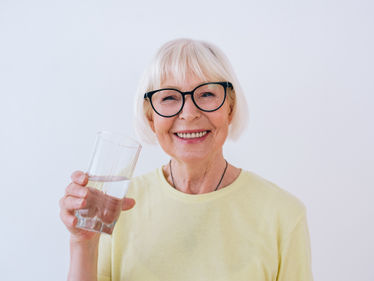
(83, 243)
(75, 198)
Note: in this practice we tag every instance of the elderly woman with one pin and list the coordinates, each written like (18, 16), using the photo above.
(197, 217)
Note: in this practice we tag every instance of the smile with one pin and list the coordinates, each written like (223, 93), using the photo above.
(191, 135)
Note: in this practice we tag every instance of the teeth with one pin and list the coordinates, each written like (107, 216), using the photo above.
(191, 135)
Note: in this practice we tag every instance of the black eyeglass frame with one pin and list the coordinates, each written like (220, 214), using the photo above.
(225, 85)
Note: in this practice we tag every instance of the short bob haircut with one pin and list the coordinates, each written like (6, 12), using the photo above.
(178, 58)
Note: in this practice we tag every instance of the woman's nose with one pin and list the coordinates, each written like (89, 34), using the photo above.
(189, 110)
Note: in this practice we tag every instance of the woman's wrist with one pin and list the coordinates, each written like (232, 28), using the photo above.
(77, 241)
(83, 259)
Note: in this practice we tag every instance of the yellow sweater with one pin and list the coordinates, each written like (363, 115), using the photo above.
(250, 230)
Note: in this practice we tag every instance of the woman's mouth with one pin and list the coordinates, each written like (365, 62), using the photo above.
(192, 135)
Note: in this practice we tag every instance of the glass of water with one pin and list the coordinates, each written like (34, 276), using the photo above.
(109, 174)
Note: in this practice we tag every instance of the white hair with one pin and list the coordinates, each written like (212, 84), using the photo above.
(178, 58)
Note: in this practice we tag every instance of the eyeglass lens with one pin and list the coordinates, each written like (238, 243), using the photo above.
(207, 97)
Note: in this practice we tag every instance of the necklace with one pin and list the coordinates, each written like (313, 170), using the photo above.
(172, 178)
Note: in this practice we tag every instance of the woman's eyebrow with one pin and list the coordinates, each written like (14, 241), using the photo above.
(168, 86)
(178, 88)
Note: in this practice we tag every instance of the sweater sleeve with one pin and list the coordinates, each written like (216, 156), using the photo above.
(104, 258)
(295, 254)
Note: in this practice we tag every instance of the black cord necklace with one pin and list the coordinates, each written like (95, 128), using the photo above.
(172, 178)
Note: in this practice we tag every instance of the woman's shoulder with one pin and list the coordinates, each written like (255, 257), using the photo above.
(270, 194)
(142, 183)
(147, 178)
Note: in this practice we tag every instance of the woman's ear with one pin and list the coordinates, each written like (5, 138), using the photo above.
(231, 112)
(151, 122)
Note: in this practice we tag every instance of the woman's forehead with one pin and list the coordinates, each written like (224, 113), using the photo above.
(187, 80)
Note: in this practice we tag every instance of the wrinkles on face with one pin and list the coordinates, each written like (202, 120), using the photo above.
(180, 136)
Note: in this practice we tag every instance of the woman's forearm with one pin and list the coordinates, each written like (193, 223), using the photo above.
(83, 261)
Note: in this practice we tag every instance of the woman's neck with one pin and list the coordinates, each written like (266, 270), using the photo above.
(200, 177)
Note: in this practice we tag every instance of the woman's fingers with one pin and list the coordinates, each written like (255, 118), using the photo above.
(70, 220)
(70, 203)
(79, 177)
(76, 190)
(127, 203)
(78, 196)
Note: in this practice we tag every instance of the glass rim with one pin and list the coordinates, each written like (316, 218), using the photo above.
(121, 136)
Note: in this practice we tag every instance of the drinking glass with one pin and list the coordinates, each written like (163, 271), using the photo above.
(109, 174)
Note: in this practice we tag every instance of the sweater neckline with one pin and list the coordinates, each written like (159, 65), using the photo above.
(171, 191)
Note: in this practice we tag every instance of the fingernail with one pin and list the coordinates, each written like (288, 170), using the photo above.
(82, 178)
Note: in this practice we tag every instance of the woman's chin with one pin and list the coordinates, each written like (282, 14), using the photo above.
(193, 157)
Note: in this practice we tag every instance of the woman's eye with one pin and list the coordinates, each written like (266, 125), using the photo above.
(168, 98)
(207, 94)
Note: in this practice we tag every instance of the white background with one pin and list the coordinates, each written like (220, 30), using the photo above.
(70, 68)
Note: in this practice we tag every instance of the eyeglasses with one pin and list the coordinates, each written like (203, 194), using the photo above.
(207, 97)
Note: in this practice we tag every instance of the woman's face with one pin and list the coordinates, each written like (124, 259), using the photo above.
(193, 134)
